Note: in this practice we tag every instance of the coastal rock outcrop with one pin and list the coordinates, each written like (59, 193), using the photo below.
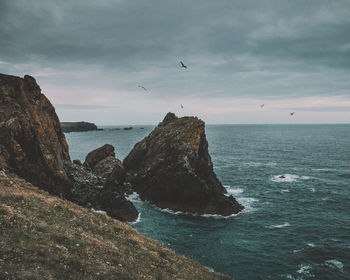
(33, 146)
(31, 140)
(103, 162)
(172, 169)
(100, 193)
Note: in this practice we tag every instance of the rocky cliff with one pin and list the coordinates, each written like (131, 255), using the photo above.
(31, 140)
(33, 146)
(172, 169)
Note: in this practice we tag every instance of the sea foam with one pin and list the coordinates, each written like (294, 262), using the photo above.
(288, 178)
(305, 269)
(279, 226)
(233, 191)
(334, 264)
(137, 220)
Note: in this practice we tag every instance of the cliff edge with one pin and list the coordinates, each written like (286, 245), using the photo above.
(45, 237)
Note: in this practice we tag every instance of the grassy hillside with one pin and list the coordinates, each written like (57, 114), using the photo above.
(44, 237)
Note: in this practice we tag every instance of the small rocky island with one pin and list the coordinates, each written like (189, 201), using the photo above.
(78, 126)
(172, 168)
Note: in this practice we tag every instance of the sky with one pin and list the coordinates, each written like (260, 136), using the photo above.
(89, 58)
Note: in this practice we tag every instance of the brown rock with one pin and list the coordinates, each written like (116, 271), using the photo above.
(33, 146)
(31, 140)
(99, 154)
(97, 192)
(172, 168)
(110, 168)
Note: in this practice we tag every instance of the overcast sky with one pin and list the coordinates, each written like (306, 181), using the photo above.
(90, 56)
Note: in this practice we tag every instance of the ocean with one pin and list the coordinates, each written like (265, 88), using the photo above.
(293, 227)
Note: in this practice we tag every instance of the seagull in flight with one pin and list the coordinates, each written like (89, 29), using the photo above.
(292, 113)
(262, 105)
(182, 106)
(142, 87)
(183, 65)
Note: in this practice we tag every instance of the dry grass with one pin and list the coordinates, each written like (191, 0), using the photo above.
(44, 237)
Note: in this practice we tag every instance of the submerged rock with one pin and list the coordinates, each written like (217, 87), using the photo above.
(172, 169)
(32, 144)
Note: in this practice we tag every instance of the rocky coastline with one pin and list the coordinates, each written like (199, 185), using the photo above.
(170, 168)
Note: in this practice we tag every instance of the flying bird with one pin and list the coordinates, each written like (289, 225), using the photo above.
(183, 65)
(292, 113)
(142, 87)
(182, 106)
(262, 105)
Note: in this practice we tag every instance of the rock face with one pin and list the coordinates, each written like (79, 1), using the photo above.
(100, 193)
(78, 126)
(31, 140)
(172, 168)
(103, 162)
(33, 146)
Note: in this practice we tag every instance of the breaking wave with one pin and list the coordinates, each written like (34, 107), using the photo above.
(288, 178)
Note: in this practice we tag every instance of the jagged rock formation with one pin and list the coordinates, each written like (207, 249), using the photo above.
(103, 162)
(31, 140)
(78, 126)
(172, 168)
(33, 146)
(100, 193)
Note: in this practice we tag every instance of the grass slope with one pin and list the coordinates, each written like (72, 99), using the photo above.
(44, 237)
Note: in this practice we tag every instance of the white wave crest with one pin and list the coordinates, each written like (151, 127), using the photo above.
(288, 178)
(334, 264)
(305, 269)
(284, 190)
(137, 220)
(279, 226)
(215, 216)
(248, 203)
(234, 191)
(99, 211)
(134, 197)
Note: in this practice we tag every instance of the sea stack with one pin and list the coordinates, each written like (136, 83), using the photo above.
(172, 168)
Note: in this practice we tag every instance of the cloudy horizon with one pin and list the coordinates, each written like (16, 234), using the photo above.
(90, 58)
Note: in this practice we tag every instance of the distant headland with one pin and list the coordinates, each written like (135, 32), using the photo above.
(78, 126)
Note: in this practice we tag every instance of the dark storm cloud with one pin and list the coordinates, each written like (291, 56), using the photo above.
(265, 42)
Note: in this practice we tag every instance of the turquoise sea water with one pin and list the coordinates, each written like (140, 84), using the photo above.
(297, 227)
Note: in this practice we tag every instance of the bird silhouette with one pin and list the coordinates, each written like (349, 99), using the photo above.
(182, 106)
(142, 87)
(183, 65)
(292, 113)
